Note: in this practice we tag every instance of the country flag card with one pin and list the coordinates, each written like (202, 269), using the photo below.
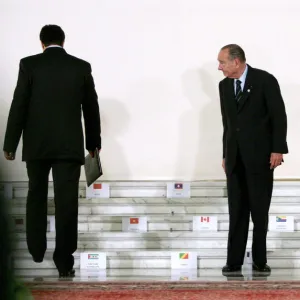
(134, 224)
(205, 223)
(18, 223)
(178, 190)
(98, 190)
(183, 260)
(281, 223)
(93, 260)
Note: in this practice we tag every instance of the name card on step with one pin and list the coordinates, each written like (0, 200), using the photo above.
(248, 257)
(98, 190)
(19, 223)
(281, 223)
(183, 260)
(93, 260)
(205, 223)
(178, 190)
(134, 224)
(51, 223)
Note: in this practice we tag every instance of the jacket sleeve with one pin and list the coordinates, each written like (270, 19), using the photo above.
(224, 119)
(91, 114)
(277, 113)
(18, 110)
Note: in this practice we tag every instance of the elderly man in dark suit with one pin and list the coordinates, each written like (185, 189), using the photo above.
(254, 141)
(52, 91)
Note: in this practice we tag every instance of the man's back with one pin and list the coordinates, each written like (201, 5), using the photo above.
(52, 89)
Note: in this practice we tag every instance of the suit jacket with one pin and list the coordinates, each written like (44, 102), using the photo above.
(52, 91)
(256, 126)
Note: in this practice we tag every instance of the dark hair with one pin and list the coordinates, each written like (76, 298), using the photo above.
(52, 35)
(235, 51)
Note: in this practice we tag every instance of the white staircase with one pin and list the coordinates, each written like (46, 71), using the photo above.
(169, 226)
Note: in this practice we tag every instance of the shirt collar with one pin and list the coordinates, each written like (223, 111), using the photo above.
(53, 46)
(243, 76)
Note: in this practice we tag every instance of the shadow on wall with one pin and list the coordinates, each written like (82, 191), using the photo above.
(200, 155)
(114, 123)
(291, 166)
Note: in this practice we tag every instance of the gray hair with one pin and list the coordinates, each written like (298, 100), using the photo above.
(235, 51)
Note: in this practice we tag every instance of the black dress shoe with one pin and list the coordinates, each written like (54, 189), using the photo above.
(67, 274)
(231, 268)
(261, 268)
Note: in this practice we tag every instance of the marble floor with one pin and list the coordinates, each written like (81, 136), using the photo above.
(126, 275)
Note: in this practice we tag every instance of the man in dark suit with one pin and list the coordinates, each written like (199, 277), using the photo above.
(53, 89)
(254, 141)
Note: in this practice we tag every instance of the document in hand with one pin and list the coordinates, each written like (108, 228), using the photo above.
(93, 169)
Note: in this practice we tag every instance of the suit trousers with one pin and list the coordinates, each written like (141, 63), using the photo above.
(66, 176)
(248, 193)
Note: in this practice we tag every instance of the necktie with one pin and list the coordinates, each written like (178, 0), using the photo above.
(238, 92)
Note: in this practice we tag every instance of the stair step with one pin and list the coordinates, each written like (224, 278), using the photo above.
(155, 263)
(157, 253)
(164, 240)
(129, 210)
(159, 189)
(122, 236)
(154, 224)
(160, 201)
(152, 275)
(207, 259)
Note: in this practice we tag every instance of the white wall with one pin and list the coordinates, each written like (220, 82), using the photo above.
(155, 68)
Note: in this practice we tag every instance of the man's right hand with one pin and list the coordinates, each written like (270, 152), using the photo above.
(9, 155)
(223, 164)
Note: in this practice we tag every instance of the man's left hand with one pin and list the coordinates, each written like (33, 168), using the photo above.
(275, 160)
(92, 152)
(9, 155)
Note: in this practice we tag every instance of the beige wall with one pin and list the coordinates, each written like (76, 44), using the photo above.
(155, 68)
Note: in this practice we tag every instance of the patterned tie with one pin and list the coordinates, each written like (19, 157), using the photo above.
(238, 92)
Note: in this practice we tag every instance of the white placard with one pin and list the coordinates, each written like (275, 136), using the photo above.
(19, 223)
(51, 223)
(178, 190)
(183, 260)
(248, 257)
(93, 260)
(205, 223)
(184, 275)
(98, 190)
(134, 224)
(281, 223)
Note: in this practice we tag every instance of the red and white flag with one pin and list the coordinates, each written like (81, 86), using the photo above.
(97, 186)
(204, 220)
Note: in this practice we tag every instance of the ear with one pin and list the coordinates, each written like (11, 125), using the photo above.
(237, 62)
(43, 46)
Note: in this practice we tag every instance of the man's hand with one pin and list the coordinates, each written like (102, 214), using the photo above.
(223, 164)
(92, 152)
(9, 155)
(275, 160)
